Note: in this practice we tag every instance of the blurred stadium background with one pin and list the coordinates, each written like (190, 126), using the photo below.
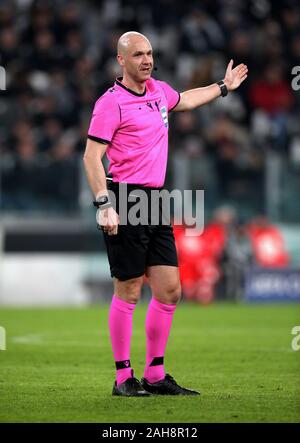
(244, 151)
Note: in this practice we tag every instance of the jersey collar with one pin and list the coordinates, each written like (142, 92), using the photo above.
(118, 82)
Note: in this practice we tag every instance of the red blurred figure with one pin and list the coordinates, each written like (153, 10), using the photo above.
(268, 244)
(198, 268)
(199, 257)
(272, 93)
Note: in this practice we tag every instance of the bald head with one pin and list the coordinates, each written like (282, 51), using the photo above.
(129, 40)
(135, 58)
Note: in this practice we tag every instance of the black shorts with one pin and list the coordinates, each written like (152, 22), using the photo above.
(135, 248)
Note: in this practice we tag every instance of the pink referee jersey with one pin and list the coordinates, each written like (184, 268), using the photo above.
(135, 126)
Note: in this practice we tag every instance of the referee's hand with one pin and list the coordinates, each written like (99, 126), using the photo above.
(108, 220)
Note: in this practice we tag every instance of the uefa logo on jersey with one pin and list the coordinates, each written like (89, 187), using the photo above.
(164, 114)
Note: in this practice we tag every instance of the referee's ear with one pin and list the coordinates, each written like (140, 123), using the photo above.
(120, 60)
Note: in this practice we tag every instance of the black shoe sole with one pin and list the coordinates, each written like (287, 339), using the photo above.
(175, 395)
(120, 394)
(153, 391)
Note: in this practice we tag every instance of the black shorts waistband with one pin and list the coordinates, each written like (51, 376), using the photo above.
(115, 186)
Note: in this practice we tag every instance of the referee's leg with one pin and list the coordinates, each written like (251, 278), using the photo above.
(166, 293)
(126, 296)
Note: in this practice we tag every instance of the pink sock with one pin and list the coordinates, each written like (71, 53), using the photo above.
(158, 324)
(120, 328)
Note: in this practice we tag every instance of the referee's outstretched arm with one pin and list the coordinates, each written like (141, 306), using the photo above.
(200, 96)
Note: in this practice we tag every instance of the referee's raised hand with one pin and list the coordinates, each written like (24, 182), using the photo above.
(234, 77)
(108, 220)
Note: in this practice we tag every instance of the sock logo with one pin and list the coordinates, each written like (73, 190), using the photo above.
(123, 364)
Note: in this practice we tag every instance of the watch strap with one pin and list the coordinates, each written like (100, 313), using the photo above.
(102, 202)
(223, 88)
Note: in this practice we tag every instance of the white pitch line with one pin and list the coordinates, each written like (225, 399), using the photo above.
(29, 339)
(37, 339)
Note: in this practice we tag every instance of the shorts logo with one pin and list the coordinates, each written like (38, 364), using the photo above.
(164, 114)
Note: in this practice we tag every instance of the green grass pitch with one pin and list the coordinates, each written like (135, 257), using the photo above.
(58, 366)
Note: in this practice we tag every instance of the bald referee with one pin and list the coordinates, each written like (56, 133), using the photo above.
(130, 125)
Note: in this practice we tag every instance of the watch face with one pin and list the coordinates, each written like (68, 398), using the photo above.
(103, 200)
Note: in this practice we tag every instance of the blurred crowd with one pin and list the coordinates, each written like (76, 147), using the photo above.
(59, 57)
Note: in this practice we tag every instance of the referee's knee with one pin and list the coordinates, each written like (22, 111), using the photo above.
(173, 294)
(129, 290)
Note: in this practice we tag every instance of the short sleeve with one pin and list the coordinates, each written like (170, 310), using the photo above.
(172, 96)
(105, 119)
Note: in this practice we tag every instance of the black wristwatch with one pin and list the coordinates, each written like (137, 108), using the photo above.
(102, 202)
(223, 87)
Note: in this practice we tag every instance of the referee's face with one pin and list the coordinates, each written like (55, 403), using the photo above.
(137, 59)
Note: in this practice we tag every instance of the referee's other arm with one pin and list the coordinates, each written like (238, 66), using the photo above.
(92, 160)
